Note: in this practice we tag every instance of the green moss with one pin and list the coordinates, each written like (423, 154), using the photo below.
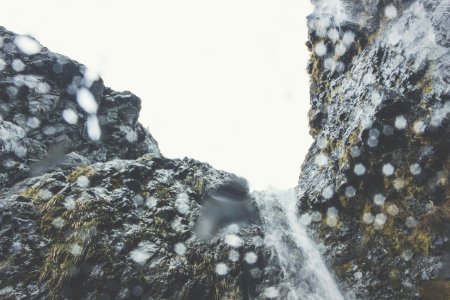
(368, 229)
(393, 234)
(223, 287)
(83, 170)
(421, 241)
(435, 289)
(437, 220)
(162, 192)
(344, 268)
(352, 140)
(61, 265)
(395, 277)
(394, 274)
(199, 186)
(6, 262)
(430, 224)
(159, 222)
(425, 84)
(344, 201)
(367, 207)
(33, 193)
(354, 137)
(147, 157)
(315, 70)
(55, 201)
(335, 91)
(58, 266)
(226, 288)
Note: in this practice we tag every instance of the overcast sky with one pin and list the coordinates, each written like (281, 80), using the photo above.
(220, 81)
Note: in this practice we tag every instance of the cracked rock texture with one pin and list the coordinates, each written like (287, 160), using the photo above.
(380, 96)
(89, 207)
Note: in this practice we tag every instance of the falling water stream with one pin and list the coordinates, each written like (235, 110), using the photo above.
(306, 277)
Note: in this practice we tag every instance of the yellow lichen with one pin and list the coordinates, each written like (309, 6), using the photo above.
(391, 231)
(435, 289)
(420, 241)
(31, 192)
(344, 268)
(315, 70)
(199, 186)
(162, 192)
(425, 84)
(82, 170)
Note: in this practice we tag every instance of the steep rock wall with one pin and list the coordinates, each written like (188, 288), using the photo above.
(375, 184)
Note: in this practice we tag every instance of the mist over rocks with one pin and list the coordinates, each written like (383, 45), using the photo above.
(378, 171)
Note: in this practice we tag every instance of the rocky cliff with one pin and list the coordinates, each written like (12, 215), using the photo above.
(89, 207)
(375, 184)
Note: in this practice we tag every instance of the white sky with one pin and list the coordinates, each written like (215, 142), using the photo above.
(220, 81)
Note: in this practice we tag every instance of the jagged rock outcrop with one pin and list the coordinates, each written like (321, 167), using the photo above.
(375, 184)
(40, 113)
(89, 207)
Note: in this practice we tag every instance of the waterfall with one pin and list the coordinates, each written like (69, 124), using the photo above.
(305, 275)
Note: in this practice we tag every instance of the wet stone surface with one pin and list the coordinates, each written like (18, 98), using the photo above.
(89, 207)
(381, 156)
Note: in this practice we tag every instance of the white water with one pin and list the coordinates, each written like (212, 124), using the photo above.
(306, 276)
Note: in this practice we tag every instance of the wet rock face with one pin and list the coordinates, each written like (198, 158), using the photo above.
(378, 171)
(50, 104)
(90, 209)
(121, 229)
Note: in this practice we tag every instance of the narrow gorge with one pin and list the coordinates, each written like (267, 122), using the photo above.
(91, 209)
